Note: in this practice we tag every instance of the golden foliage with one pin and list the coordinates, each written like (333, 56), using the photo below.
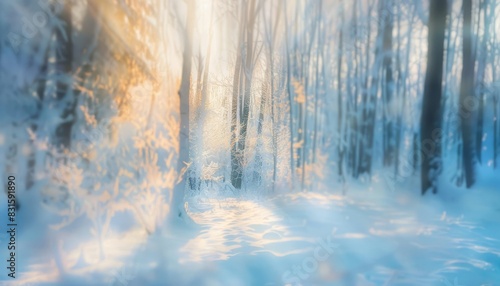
(299, 90)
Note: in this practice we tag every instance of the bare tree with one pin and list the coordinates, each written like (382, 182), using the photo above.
(243, 71)
(388, 91)
(431, 121)
(178, 209)
(64, 93)
(340, 142)
(467, 96)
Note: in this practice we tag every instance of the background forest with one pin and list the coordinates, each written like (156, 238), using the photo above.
(240, 132)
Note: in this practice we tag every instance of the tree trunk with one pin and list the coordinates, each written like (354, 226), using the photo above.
(178, 209)
(481, 76)
(431, 106)
(248, 74)
(40, 93)
(495, 130)
(366, 124)
(372, 100)
(306, 76)
(388, 85)
(290, 100)
(64, 94)
(467, 96)
(236, 147)
(400, 81)
(495, 96)
(271, 38)
(316, 99)
(352, 111)
(340, 147)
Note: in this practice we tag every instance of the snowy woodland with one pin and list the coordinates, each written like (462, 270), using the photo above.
(251, 142)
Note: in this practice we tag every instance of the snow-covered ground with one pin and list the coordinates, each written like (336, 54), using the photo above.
(370, 235)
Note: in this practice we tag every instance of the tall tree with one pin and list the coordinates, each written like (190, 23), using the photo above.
(268, 90)
(351, 106)
(480, 79)
(467, 98)
(236, 170)
(388, 90)
(290, 98)
(431, 120)
(319, 63)
(246, 73)
(64, 93)
(371, 102)
(340, 143)
(179, 209)
(495, 95)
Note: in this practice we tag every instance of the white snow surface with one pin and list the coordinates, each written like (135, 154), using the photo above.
(368, 236)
